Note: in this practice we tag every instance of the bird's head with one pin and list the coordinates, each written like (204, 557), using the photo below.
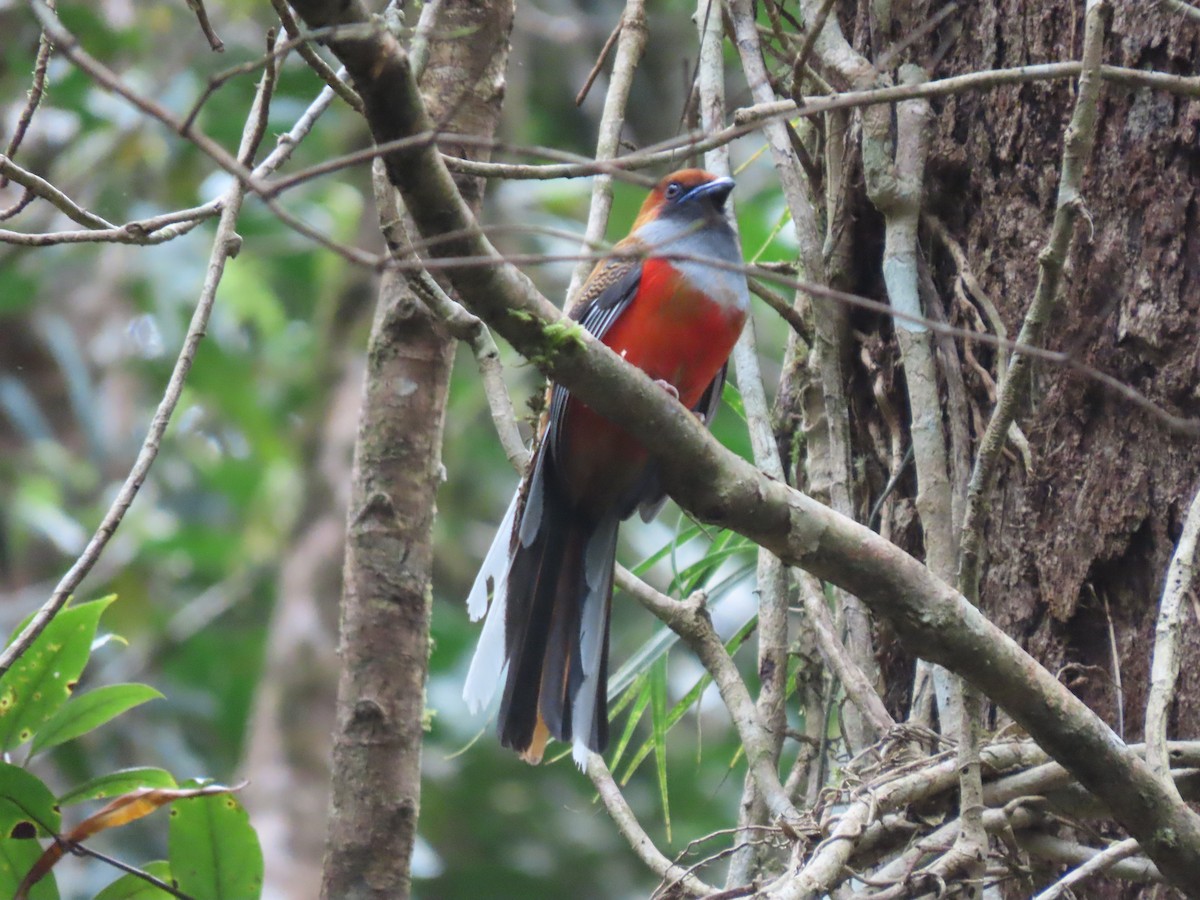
(689, 194)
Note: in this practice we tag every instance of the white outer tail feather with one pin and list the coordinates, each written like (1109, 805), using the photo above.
(487, 665)
(597, 576)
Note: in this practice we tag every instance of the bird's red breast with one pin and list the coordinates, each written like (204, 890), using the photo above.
(675, 332)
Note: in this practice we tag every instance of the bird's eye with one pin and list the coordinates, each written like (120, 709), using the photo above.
(674, 189)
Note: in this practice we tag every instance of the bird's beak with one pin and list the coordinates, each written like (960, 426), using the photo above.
(715, 191)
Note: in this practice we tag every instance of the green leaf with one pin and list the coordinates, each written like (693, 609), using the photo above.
(131, 887)
(42, 680)
(658, 720)
(114, 784)
(214, 851)
(27, 806)
(90, 711)
(16, 859)
(678, 711)
(639, 694)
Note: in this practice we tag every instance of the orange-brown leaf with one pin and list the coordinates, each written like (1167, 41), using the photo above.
(121, 811)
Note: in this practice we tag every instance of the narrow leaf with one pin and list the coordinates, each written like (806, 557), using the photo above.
(678, 711)
(658, 719)
(116, 783)
(639, 693)
(42, 680)
(88, 712)
(214, 851)
(121, 811)
(139, 804)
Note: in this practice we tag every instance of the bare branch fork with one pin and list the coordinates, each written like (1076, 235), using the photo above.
(718, 487)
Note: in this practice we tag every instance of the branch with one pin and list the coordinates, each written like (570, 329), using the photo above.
(1179, 6)
(689, 619)
(309, 55)
(68, 44)
(39, 187)
(1098, 864)
(627, 824)
(718, 487)
(36, 92)
(631, 44)
(771, 576)
(1164, 670)
(858, 687)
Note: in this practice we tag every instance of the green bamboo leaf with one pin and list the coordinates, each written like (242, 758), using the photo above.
(213, 850)
(131, 887)
(639, 693)
(733, 399)
(88, 712)
(114, 784)
(27, 806)
(678, 711)
(658, 719)
(16, 859)
(667, 549)
(41, 681)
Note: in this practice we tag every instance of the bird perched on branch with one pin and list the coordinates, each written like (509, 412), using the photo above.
(658, 305)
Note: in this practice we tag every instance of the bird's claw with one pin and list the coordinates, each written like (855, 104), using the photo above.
(668, 387)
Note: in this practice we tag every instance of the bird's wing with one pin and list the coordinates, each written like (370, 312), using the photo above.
(605, 295)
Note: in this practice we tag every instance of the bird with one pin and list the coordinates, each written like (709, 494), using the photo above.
(657, 303)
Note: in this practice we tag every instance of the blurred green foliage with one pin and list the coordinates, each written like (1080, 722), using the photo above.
(214, 852)
(88, 336)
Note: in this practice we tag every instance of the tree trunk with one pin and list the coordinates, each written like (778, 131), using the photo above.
(1079, 535)
(386, 602)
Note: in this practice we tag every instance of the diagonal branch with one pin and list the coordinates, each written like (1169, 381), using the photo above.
(714, 484)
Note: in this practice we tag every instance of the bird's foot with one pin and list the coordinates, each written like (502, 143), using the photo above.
(668, 387)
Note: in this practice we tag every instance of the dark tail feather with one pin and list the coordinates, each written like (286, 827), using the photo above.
(556, 624)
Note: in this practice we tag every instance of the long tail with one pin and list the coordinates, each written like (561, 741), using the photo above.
(554, 601)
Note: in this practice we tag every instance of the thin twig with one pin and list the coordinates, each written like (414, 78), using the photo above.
(36, 91)
(39, 187)
(69, 45)
(625, 820)
(1099, 863)
(810, 38)
(226, 244)
(631, 36)
(82, 850)
(600, 61)
(856, 684)
(197, 6)
(274, 52)
(1168, 634)
(309, 54)
(145, 232)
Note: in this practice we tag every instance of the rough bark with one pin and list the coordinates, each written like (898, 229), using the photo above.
(1094, 521)
(384, 643)
(1078, 543)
